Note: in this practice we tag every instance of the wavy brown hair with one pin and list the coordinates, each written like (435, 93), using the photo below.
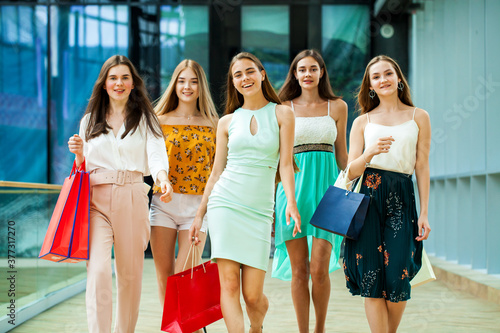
(169, 100)
(138, 104)
(234, 99)
(365, 104)
(291, 88)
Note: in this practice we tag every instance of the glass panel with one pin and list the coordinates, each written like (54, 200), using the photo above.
(83, 37)
(25, 214)
(265, 32)
(183, 35)
(23, 93)
(345, 39)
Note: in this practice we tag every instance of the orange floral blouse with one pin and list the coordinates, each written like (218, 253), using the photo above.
(191, 153)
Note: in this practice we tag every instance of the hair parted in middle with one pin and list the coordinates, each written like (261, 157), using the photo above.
(291, 88)
(365, 103)
(234, 99)
(169, 99)
(138, 106)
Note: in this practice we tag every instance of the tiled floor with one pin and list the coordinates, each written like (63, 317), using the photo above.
(433, 308)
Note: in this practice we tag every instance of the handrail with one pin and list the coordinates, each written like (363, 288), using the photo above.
(30, 185)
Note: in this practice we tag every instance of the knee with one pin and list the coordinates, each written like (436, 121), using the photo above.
(252, 299)
(319, 274)
(300, 272)
(230, 285)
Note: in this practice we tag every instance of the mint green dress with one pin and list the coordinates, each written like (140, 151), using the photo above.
(314, 154)
(241, 204)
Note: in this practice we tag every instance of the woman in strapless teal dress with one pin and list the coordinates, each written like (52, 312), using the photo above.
(320, 141)
(254, 135)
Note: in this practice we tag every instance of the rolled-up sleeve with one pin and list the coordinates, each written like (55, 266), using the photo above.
(157, 155)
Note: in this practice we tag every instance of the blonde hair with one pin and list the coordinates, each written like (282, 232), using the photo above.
(169, 100)
(233, 98)
(365, 103)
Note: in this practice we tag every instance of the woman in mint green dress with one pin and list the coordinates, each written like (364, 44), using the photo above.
(254, 135)
(320, 140)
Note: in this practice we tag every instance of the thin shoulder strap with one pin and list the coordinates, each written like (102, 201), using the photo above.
(414, 113)
(328, 107)
(368, 117)
(291, 102)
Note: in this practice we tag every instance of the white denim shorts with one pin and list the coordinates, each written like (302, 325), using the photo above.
(177, 214)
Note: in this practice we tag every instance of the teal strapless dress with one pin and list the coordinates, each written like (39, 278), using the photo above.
(241, 204)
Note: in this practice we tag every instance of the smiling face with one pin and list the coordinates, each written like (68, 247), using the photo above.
(119, 83)
(187, 86)
(383, 79)
(308, 73)
(247, 78)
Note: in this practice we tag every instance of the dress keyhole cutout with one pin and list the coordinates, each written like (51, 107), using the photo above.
(254, 126)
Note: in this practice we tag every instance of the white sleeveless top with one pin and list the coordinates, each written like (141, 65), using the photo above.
(403, 152)
(322, 129)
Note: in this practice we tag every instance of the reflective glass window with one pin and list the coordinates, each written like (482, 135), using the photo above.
(23, 93)
(183, 35)
(83, 37)
(265, 33)
(345, 48)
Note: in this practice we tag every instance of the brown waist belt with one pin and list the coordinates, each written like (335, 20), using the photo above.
(313, 147)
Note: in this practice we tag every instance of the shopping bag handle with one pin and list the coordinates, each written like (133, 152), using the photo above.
(81, 168)
(193, 259)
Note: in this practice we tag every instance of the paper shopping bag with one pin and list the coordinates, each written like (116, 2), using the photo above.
(425, 274)
(192, 299)
(67, 237)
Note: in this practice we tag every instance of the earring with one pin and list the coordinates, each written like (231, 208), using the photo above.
(400, 85)
(372, 94)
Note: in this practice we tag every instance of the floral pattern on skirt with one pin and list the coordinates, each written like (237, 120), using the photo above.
(386, 256)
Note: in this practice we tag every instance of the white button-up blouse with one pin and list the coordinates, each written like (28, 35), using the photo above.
(140, 151)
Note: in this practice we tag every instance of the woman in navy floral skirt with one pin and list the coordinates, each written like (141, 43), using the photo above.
(389, 141)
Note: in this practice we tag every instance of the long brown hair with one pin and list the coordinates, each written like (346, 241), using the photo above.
(291, 88)
(169, 100)
(234, 99)
(365, 103)
(138, 104)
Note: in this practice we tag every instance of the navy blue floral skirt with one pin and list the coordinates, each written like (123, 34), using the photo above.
(381, 263)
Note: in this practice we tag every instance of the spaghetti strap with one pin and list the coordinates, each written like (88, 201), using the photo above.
(328, 107)
(368, 117)
(291, 102)
(414, 113)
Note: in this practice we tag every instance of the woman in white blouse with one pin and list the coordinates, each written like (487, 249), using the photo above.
(120, 141)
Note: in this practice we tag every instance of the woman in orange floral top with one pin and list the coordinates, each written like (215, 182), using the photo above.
(188, 119)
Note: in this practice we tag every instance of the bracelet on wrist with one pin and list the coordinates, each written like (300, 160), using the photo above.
(367, 164)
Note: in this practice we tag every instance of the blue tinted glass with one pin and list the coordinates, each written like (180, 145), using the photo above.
(345, 39)
(23, 93)
(265, 33)
(83, 38)
(183, 35)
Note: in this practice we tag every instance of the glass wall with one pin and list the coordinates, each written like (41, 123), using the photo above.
(183, 35)
(82, 38)
(23, 93)
(265, 33)
(345, 48)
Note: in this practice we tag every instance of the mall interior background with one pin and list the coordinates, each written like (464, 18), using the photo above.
(51, 52)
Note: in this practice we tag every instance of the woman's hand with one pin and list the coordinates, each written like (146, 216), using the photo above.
(423, 223)
(166, 190)
(292, 212)
(75, 145)
(194, 230)
(382, 146)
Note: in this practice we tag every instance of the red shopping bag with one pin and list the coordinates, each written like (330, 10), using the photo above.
(67, 238)
(192, 299)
